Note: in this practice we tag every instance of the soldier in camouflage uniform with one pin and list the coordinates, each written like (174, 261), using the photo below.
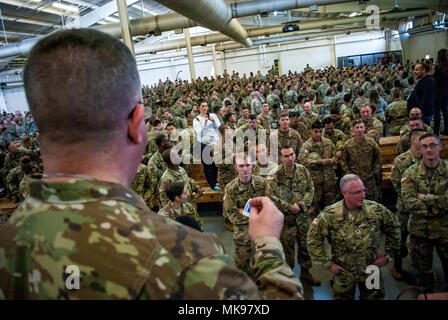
(178, 206)
(264, 119)
(236, 194)
(297, 124)
(292, 190)
(151, 147)
(245, 115)
(353, 227)
(340, 123)
(141, 184)
(224, 158)
(273, 98)
(156, 168)
(290, 98)
(83, 210)
(308, 116)
(415, 112)
(362, 156)
(396, 113)
(424, 190)
(285, 136)
(175, 173)
(401, 163)
(405, 140)
(264, 166)
(187, 137)
(318, 156)
(275, 115)
(373, 126)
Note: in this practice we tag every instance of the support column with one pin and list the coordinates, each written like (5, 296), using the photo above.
(335, 60)
(215, 63)
(125, 25)
(189, 53)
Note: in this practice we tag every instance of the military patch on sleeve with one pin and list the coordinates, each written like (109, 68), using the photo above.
(392, 168)
(268, 178)
(315, 221)
(401, 132)
(161, 190)
(403, 179)
(224, 198)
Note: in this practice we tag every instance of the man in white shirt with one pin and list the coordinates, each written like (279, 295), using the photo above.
(206, 127)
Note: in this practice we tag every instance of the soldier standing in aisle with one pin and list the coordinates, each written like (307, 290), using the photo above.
(353, 227)
(236, 195)
(424, 189)
(400, 165)
(292, 190)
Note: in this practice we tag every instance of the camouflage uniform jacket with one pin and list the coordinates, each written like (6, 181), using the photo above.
(347, 112)
(397, 115)
(405, 129)
(241, 122)
(374, 124)
(311, 157)
(400, 165)
(265, 170)
(427, 219)
(291, 99)
(302, 129)
(309, 119)
(344, 124)
(289, 138)
(141, 184)
(272, 99)
(363, 158)
(286, 188)
(265, 121)
(255, 106)
(338, 138)
(13, 180)
(354, 240)
(123, 251)
(181, 175)
(156, 168)
(186, 209)
(236, 195)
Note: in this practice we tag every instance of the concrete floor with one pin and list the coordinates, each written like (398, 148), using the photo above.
(213, 222)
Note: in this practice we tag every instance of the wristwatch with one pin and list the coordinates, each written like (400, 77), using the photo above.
(389, 258)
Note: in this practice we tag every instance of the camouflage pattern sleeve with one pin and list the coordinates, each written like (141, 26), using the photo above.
(319, 229)
(307, 198)
(271, 187)
(395, 176)
(391, 229)
(274, 277)
(437, 200)
(376, 159)
(345, 158)
(162, 193)
(229, 206)
(409, 194)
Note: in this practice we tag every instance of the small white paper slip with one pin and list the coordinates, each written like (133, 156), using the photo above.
(247, 208)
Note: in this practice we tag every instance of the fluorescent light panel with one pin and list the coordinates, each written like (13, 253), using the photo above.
(144, 9)
(65, 7)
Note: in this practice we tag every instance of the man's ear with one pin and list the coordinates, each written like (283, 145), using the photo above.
(134, 122)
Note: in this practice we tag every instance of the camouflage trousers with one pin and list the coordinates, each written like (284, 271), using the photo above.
(324, 195)
(373, 189)
(343, 287)
(295, 229)
(422, 257)
(403, 218)
(243, 248)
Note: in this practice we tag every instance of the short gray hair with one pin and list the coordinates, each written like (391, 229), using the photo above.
(345, 179)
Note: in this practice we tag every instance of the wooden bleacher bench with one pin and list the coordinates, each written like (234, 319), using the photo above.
(197, 173)
(388, 153)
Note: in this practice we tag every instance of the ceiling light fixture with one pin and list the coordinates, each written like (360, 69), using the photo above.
(111, 19)
(144, 9)
(65, 7)
(353, 14)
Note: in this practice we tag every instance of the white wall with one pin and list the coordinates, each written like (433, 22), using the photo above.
(13, 100)
(294, 56)
(429, 43)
